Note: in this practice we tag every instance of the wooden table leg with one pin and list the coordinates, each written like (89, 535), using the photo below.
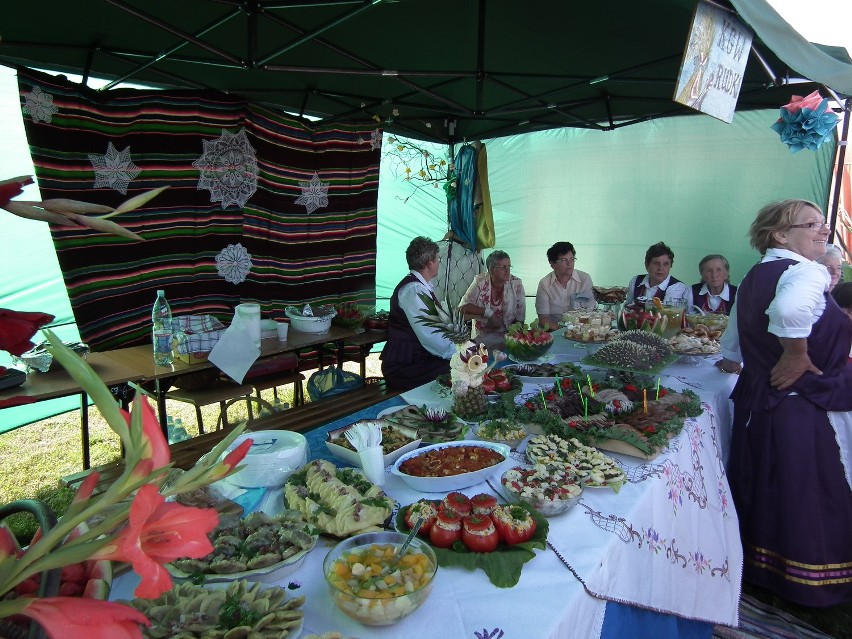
(161, 407)
(84, 429)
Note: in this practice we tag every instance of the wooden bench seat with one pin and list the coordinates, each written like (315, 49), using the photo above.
(301, 418)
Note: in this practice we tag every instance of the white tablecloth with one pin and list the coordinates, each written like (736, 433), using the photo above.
(668, 541)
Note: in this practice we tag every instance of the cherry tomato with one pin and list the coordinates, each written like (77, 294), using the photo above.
(514, 524)
(446, 530)
(483, 504)
(479, 534)
(458, 502)
(426, 508)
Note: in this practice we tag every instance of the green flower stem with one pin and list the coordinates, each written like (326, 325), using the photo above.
(89, 381)
(12, 607)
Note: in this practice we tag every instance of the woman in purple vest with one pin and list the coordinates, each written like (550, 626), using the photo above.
(789, 466)
(415, 354)
(714, 293)
(658, 282)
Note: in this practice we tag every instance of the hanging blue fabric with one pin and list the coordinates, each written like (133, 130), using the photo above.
(462, 219)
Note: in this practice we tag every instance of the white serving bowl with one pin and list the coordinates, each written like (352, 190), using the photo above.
(320, 322)
(272, 458)
(351, 456)
(453, 482)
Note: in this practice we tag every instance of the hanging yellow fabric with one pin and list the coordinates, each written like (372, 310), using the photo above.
(485, 236)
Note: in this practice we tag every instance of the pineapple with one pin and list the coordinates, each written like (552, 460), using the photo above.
(450, 323)
(471, 403)
(467, 366)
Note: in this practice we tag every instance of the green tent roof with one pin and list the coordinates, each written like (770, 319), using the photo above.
(438, 69)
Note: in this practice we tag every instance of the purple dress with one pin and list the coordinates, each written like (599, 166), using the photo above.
(792, 498)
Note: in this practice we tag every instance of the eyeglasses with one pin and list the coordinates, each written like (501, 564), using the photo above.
(501, 268)
(816, 226)
(566, 260)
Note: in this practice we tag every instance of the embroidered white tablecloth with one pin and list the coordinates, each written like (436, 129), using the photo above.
(667, 541)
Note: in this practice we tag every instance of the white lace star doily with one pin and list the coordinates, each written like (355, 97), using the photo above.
(228, 169)
(376, 139)
(314, 194)
(114, 169)
(40, 105)
(233, 263)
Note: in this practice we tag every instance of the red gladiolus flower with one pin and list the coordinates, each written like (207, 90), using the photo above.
(12, 188)
(87, 487)
(157, 533)
(81, 618)
(236, 456)
(16, 329)
(156, 447)
(231, 460)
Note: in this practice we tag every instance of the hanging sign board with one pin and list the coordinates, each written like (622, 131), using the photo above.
(711, 72)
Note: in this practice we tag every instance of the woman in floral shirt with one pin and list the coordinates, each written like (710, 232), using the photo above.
(494, 300)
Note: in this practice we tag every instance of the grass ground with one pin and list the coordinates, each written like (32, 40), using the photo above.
(35, 457)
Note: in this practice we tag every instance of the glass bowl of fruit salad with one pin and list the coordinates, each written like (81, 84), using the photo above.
(368, 584)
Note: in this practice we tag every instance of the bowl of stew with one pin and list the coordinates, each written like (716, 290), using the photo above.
(442, 468)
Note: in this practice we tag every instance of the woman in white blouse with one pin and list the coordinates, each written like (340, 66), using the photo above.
(495, 300)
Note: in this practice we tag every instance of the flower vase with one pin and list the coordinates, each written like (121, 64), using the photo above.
(49, 586)
(98, 573)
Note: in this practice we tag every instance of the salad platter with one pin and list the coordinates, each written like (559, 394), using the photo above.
(433, 425)
(629, 418)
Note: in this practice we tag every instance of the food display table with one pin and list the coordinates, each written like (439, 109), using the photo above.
(58, 383)
(140, 360)
(661, 558)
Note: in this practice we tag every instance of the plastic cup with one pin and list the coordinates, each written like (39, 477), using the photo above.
(282, 327)
(373, 463)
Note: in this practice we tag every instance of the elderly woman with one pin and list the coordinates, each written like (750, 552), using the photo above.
(789, 478)
(415, 354)
(564, 289)
(833, 263)
(495, 300)
(714, 293)
(658, 282)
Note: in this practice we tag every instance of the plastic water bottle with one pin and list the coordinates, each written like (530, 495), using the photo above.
(180, 433)
(161, 320)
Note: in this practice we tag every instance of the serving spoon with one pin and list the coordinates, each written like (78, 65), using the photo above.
(392, 564)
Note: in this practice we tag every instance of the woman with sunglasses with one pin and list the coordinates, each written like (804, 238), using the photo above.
(789, 466)
(495, 300)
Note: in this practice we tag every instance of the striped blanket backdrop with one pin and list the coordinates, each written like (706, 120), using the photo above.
(261, 207)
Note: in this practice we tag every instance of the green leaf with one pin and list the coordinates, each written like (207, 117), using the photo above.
(503, 566)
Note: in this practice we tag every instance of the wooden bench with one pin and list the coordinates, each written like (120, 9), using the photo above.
(301, 418)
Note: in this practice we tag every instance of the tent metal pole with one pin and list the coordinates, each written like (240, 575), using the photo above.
(838, 174)
(307, 37)
(175, 31)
